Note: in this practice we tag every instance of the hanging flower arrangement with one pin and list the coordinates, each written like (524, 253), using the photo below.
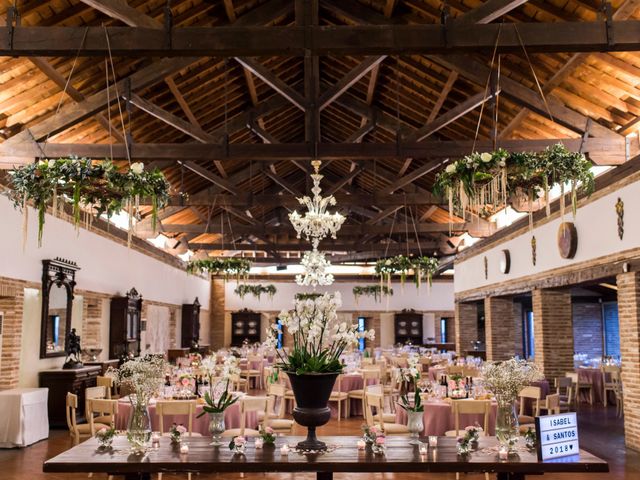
(227, 267)
(484, 183)
(256, 290)
(421, 268)
(302, 296)
(94, 187)
(375, 291)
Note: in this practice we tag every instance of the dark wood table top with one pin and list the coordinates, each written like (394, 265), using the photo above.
(399, 457)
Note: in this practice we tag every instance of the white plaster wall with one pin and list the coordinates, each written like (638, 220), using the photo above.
(106, 266)
(597, 228)
(437, 297)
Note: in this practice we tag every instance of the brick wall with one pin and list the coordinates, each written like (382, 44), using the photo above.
(517, 328)
(11, 304)
(587, 328)
(217, 314)
(611, 328)
(466, 325)
(553, 332)
(629, 319)
(499, 328)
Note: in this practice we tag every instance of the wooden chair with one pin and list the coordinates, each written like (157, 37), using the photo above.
(608, 385)
(366, 362)
(176, 407)
(276, 410)
(617, 382)
(579, 386)
(77, 430)
(103, 407)
(368, 375)
(551, 404)
(250, 404)
(107, 383)
(379, 390)
(248, 373)
(98, 393)
(338, 396)
(469, 407)
(532, 393)
(567, 393)
(375, 402)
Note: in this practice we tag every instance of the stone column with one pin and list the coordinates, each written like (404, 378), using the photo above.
(498, 326)
(629, 319)
(466, 329)
(553, 332)
(218, 325)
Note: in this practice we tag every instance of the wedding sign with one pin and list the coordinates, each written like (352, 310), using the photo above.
(557, 436)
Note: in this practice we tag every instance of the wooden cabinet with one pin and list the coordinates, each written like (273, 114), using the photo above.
(125, 325)
(104, 366)
(245, 325)
(190, 324)
(59, 382)
(408, 328)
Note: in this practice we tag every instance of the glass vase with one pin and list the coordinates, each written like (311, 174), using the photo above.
(216, 428)
(507, 423)
(139, 428)
(415, 425)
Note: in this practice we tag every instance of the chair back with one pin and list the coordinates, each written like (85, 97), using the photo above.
(552, 404)
(90, 393)
(608, 372)
(373, 401)
(366, 361)
(277, 392)
(370, 374)
(533, 393)
(573, 376)
(455, 369)
(253, 404)
(107, 383)
(471, 407)
(101, 406)
(176, 407)
(71, 408)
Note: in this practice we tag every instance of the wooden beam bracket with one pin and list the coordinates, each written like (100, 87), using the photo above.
(608, 18)
(12, 16)
(168, 25)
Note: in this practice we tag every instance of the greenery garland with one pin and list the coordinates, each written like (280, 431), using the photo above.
(228, 267)
(422, 268)
(255, 290)
(307, 296)
(98, 186)
(485, 181)
(375, 291)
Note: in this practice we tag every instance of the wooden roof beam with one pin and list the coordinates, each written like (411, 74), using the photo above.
(489, 11)
(444, 93)
(216, 180)
(304, 246)
(411, 177)
(120, 10)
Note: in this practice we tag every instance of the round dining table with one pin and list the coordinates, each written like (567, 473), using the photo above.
(200, 425)
(438, 417)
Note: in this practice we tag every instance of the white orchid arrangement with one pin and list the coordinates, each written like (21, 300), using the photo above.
(506, 379)
(319, 338)
(407, 376)
(218, 398)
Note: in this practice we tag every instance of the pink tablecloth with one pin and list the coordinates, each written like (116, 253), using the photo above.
(438, 418)
(200, 425)
(594, 377)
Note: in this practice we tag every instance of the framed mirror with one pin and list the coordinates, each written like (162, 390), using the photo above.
(58, 283)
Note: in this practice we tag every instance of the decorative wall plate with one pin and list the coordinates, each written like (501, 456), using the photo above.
(567, 240)
(505, 261)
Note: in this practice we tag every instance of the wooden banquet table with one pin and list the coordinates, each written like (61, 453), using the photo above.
(400, 457)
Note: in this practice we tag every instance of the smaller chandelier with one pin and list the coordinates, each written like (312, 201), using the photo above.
(316, 224)
(315, 270)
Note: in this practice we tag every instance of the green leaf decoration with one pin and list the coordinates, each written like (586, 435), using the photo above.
(256, 290)
(421, 268)
(375, 291)
(227, 267)
(93, 187)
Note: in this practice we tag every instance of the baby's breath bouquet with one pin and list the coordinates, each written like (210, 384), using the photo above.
(319, 338)
(505, 380)
(144, 376)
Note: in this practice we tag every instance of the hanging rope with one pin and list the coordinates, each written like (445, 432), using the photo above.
(486, 88)
(386, 250)
(535, 77)
(115, 86)
(406, 224)
(415, 230)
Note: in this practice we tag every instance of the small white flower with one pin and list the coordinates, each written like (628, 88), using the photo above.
(450, 168)
(51, 163)
(485, 157)
(137, 168)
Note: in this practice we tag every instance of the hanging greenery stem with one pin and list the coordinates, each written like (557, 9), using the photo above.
(256, 290)
(420, 267)
(375, 291)
(227, 267)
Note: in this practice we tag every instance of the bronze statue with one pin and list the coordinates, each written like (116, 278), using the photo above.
(73, 350)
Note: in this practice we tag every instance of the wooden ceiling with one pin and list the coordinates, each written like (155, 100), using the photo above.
(234, 132)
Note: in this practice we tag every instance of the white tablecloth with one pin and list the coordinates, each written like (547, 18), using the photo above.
(23, 416)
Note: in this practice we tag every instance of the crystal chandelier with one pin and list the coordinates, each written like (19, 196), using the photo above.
(316, 224)
(316, 268)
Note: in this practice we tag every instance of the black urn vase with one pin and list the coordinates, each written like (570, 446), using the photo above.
(312, 392)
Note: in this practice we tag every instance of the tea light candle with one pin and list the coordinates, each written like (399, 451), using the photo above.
(155, 438)
(284, 450)
(423, 449)
(259, 443)
(433, 441)
(361, 444)
(184, 448)
(503, 453)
